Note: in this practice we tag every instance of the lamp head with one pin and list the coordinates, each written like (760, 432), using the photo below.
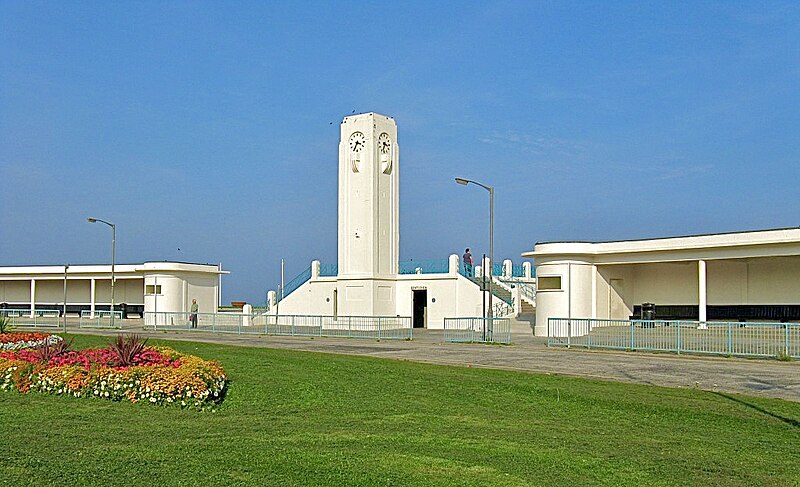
(462, 181)
(91, 220)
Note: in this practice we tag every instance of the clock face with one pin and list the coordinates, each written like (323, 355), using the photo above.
(384, 144)
(357, 142)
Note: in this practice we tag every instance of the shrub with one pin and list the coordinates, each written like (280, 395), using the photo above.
(5, 325)
(127, 349)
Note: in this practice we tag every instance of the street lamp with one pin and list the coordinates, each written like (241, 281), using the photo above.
(113, 251)
(490, 189)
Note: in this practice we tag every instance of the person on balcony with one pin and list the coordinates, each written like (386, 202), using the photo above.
(467, 259)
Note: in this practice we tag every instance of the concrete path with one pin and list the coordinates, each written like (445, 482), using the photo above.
(769, 378)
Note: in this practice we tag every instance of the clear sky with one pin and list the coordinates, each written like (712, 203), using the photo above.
(208, 131)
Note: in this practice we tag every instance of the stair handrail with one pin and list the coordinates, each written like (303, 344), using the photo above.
(525, 288)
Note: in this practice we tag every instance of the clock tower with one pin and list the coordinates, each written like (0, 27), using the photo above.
(369, 199)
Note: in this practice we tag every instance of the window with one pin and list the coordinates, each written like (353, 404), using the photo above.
(152, 289)
(548, 283)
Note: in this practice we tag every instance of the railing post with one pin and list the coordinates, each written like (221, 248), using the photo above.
(633, 335)
(679, 338)
(349, 327)
(589, 340)
(569, 333)
(786, 339)
(730, 339)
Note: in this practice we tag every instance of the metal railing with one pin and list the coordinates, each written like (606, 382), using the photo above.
(743, 339)
(517, 270)
(295, 283)
(477, 330)
(102, 319)
(440, 266)
(383, 327)
(526, 289)
(328, 270)
(46, 318)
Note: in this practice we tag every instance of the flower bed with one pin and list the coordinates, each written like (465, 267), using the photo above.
(18, 341)
(157, 375)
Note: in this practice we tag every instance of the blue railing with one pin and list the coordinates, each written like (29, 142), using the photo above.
(328, 270)
(295, 283)
(465, 269)
(745, 339)
(440, 266)
(477, 330)
(497, 269)
(517, 270)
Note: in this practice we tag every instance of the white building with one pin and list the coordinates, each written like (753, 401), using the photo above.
(368, 280)
(151, 286)
(732, 277)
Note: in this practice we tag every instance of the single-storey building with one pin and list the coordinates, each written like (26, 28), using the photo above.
(151, 286)
(738, 276)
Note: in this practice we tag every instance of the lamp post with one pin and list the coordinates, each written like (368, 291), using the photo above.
(66, 268)
(490, 189)
(113, 251)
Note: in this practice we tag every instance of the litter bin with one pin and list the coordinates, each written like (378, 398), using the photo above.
(648, 313)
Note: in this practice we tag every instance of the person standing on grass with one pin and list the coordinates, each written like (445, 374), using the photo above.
(193, 314)
(467, 259)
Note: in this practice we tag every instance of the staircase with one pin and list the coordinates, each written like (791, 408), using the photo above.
(499, 292)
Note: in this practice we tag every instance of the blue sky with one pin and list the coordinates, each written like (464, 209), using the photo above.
(213, 127)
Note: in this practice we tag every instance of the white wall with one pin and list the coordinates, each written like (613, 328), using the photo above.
(449, 296)
(574, 299)
(15, 291)
(178, 290)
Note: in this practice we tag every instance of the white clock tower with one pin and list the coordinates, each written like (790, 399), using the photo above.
(369, 217)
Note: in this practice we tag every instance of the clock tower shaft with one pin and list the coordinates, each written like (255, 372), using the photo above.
(369, 199)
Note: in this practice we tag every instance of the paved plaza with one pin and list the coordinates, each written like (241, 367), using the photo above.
(757, 377)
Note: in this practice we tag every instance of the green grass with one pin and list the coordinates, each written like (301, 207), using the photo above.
(294, 418)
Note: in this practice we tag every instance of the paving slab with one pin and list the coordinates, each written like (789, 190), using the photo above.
(756, 377)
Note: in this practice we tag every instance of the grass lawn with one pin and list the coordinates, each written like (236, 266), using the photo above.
(295, 418)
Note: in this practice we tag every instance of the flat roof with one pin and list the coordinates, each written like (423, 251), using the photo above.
(142, 268)
(664, 238)
(748, 239)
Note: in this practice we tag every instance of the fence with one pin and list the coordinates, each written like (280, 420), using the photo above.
(102, 319)
(383, 327)
(440, 266)
(716, 338)
(477, 330)
(46, 318)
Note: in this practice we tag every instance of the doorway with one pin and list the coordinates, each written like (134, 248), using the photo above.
(420, 308)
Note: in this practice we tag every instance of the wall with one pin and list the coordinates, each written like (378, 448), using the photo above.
(454, 295)
(15, 292)
(773, 281)
(178, 290)
(574, 299)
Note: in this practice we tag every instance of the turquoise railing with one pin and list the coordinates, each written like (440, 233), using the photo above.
(477, 330)
(745, 339)
(517, 270)
(440, 266)
(295, 283)
(328, 270)
(497, 269)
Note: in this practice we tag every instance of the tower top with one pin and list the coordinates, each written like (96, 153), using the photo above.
(364, 115)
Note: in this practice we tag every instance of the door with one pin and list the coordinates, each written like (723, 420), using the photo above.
(420, 308)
